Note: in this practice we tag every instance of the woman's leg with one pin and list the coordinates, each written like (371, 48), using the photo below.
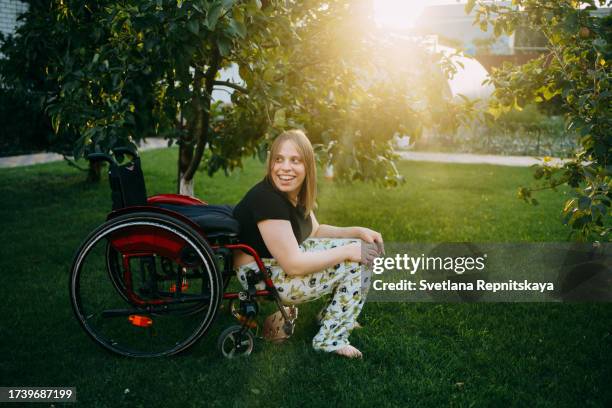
(343, 281)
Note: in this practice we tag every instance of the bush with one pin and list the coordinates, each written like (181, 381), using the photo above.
(517, 132)
(25, 128)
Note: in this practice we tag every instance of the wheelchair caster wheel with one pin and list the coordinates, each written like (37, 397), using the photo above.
(232, 343)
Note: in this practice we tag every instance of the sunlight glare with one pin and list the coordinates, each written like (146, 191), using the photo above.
(397, 14)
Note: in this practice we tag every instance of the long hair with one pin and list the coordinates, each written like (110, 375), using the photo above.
(308, 192)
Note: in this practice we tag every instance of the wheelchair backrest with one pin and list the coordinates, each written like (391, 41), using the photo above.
(127, 184)
(126, 179)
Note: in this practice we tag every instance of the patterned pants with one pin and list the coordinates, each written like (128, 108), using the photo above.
(343, 281)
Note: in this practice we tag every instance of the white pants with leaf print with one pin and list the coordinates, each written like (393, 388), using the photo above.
(344, 281)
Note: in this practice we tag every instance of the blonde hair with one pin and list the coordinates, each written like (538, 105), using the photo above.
(308, 192)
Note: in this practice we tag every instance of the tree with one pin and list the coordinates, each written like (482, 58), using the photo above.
(34, 63)
(576, 69)
(124, 71)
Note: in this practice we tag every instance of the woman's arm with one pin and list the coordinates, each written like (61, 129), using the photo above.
(280, 241)
(330, 231)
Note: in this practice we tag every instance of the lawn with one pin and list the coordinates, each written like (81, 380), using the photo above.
(416, 354)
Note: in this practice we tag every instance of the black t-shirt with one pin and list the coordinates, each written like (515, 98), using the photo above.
(264, 202)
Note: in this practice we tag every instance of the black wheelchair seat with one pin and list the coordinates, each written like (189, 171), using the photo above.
(215, 220)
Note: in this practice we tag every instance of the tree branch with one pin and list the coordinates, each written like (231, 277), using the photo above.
(74, 164)
(231, 85)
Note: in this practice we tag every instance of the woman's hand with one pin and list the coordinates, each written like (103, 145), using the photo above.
(362, 252)
(371, 237)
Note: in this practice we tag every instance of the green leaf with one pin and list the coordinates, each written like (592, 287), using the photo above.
(55, 122)
(225, 46)
(268, 74)
(549, 93)
(279, 118)
(569, 205)
(262, 152)
(193, 26)
(227, 3)
(469, 6)
(238, 14)
(584, 203)
(244, 73)
(213, 16)
(237, 28)
(495, 111)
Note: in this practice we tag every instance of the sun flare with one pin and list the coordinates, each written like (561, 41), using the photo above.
(398, 14)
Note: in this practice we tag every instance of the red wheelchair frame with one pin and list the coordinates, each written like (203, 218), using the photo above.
(164, 266)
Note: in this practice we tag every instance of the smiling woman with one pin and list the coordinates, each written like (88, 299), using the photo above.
(306, 260)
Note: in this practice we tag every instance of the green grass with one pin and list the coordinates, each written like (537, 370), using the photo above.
(415, 354)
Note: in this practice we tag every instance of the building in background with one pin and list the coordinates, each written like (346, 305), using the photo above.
(454, 28)
(9, 11)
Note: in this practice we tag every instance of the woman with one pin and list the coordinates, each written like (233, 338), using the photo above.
(307, 260)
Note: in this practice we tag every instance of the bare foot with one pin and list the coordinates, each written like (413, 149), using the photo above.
(357, 325)
(349, 352)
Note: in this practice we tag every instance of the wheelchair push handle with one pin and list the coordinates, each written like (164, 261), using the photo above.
(102, 156)
(117, 152)
(121, 150)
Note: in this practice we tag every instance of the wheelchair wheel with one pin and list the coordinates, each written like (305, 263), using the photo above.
(236, 342)
(145, 285)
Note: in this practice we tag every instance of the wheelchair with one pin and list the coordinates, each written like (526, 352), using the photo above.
(150, 281)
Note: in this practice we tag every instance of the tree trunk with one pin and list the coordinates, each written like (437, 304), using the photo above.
(94, 174)
(185, 187)
(192, 147)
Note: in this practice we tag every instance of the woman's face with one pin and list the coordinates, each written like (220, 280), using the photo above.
(288, 169)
